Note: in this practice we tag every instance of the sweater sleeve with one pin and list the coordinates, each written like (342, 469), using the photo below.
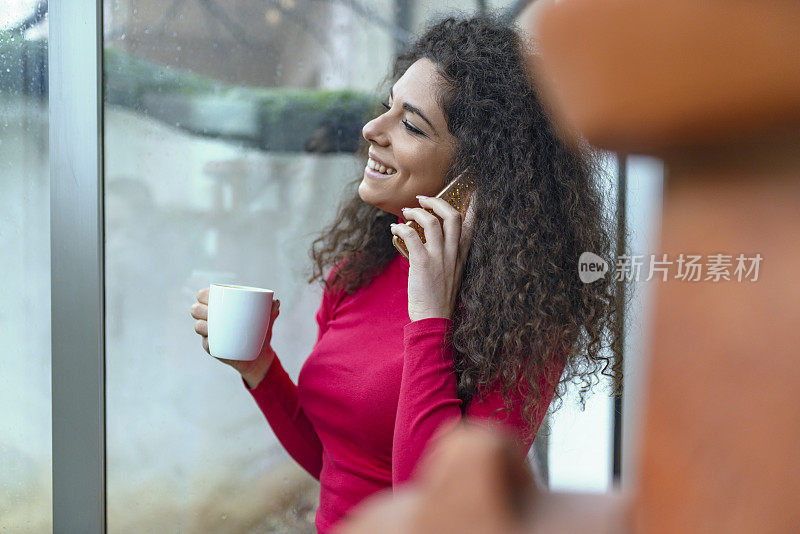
(429, 406)
(277, 398)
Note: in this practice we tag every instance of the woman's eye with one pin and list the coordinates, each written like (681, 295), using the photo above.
(411, 128)
(407, 124)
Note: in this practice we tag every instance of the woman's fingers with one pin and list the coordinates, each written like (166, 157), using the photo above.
(201, 327)
(202, 295)
(199, 311)
(451, 226)
(429, 223)
(411, 238)
(276, 310)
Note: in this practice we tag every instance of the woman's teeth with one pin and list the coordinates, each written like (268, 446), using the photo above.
(372, 164)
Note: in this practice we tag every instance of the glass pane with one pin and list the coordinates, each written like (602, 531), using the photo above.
(581, 446)
(644, 203)
(230, 131)
(25, 430)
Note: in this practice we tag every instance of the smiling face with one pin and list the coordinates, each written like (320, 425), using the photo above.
(410, 139)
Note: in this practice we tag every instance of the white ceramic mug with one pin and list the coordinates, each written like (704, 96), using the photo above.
(238, 320)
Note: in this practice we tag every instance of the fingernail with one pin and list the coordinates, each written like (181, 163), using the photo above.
(421, 196)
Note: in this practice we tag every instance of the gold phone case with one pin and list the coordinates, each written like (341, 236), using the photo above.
(456, 193)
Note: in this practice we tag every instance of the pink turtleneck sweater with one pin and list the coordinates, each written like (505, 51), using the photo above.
(373, 392)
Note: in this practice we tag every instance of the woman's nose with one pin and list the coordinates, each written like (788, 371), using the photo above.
(374, 132)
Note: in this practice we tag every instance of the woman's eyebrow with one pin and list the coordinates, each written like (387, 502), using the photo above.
(413, 109)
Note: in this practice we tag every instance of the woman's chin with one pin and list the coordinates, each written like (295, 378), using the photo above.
(365, 193)
(379, 200)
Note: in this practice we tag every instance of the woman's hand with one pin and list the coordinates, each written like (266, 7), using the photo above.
(435, 267)
(251, 371)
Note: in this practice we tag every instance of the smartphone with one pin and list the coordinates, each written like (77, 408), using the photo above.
(456, 193)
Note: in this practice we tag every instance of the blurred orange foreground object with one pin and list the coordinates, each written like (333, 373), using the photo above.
(714, 89)
(644, 76)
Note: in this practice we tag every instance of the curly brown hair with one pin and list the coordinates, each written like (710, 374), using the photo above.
(538, 205)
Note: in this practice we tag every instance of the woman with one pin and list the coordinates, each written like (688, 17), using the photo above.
(484, 317)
